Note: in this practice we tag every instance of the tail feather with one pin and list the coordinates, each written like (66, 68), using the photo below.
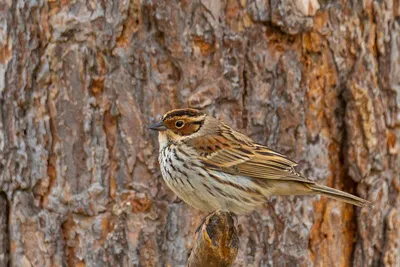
(339, 195)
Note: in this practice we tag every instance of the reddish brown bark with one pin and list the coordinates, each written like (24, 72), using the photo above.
(80, 80)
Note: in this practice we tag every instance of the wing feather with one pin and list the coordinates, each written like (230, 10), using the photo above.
(234, 153)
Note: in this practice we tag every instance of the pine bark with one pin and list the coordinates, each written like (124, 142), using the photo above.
(80, 80)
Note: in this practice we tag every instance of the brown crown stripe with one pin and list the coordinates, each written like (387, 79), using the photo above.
(183, 112)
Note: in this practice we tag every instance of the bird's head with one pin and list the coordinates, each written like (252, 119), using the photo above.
(180, 124)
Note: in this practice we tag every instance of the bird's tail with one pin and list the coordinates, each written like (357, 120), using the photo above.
(339, 195)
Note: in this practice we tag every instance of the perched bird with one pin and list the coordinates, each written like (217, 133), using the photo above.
(210, 166)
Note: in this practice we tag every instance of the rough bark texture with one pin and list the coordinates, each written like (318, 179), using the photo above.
(216, 243)
(4, 245)
(80, 80)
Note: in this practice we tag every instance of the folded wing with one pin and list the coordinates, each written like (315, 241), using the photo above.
(234, 153)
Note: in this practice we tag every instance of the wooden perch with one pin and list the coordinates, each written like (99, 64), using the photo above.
(216, 242)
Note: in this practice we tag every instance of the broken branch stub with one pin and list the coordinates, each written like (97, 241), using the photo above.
(216, 242)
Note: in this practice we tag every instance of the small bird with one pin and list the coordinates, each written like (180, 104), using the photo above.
(210, 166)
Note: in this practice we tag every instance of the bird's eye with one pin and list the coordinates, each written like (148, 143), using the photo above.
(179, 124)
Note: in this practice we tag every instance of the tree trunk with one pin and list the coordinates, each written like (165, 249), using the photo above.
(80, 80)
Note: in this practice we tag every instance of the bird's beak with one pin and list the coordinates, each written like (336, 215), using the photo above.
(158, 126)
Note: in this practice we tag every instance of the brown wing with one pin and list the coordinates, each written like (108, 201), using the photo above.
(234, 153)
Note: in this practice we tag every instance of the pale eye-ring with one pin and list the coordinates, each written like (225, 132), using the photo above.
(179, 124)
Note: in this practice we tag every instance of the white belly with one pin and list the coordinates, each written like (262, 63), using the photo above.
(186, 176)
